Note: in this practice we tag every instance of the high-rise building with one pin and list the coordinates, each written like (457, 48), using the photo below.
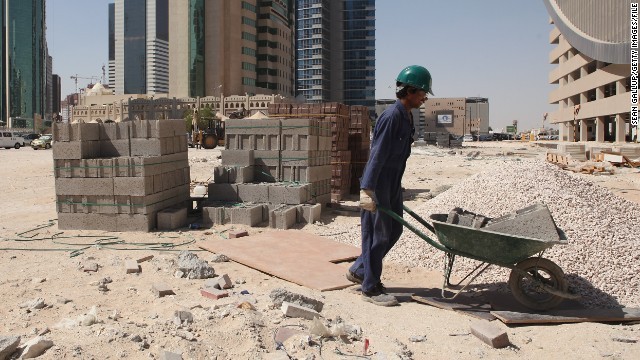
(23, 67)
(592, 58)
(335, 51)
(231, 47)
(139, 46)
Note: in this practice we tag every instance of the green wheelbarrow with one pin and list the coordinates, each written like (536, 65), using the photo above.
(535, 282)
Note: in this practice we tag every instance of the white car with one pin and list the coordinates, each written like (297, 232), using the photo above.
(467, 137)
(10, 140)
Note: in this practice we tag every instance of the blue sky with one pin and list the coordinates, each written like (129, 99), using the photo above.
(498, 49)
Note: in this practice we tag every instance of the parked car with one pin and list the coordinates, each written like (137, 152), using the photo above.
(486, 137)
(468, 137)
(43, 142)
(10, 140)
(28, 138)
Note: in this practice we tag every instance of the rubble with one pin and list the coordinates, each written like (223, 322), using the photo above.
(194, 268)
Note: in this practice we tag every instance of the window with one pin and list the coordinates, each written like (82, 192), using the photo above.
(248, 66)
(248, 81)
(247, 21)
(247, 6)
(248, 36)
(248, 51)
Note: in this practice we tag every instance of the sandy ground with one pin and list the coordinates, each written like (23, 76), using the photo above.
(143, 326)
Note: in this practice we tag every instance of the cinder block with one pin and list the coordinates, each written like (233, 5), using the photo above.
(241, 174)
(247, 215)
(237, 157)
(69, 204)
(135, 222)
(300, 127)
(223, 192)
(167, 145)
(299, 142)
(166, 128)
(255, 193)
(266, 173)
(534, 221)
(134, 186)
(309, 213)
(267, 157)
(68, 168)
(76, 150)
(167, 355)
(267, 142)
(172, 218)
(98, 168)
(65, 132)
(98, 204)
(80, 221)
(84, 186)
(293, 310)
(162, 289)
(283, 218)
(146, 147)
(289, 193)
(305, 174)
(142, 166)
(490, 334)
(216, 215)
(221, 174)
(213, 293)
(224, 282)
(140, 129)
(115, 131)
(132, 267)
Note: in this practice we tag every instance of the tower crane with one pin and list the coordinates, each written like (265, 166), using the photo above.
(76, 77)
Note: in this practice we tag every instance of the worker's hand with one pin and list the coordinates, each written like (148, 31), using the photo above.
(367, 201)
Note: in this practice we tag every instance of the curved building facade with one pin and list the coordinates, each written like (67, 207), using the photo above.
(593, 69)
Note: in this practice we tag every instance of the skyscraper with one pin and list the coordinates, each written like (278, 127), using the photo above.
(139, 46)
(231, 47)
(23, 68)
(335, 51)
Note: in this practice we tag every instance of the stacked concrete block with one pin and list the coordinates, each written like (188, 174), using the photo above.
(577, 151)
(340, 175)
(359, 144)
(283, 217)
(105, 182)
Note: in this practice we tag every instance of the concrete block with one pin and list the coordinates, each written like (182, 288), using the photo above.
(180, 143)
(267, 157)
(158, 183)
(303, 158)
(213, 293)
(212, 283)
(223, 192)
(98, 168)
(115, 148)
(132, 267)
(134, 186)
(84, 186)
(167, 145)
(266, 173)
(296, 311)
(324, 143)
(142, 166)
(135, 222)
(115, 131)
(534, 221)
(247, 215)
(305, 174)
(221, 174)
(283, 218)
(144, 258)
(224, 282)
(162, 289)
(289, 193)
(98, 204)
(238, 233)
(298, 142)
(80, 221)
(267, 142)
(166, 128)
(167, 355)
(76, 150)
(90, 267)
(300, 127)
(216, 215)
(146, 147)
(65, 132)
(140, 129)
(309, 213)
(237, 157)
(69, 204)
(241, 174)
(172, 218)
(255, 193)
(68, 168)
(490, 334)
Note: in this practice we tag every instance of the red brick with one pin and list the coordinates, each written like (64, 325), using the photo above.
(212, 293)
(237, 234)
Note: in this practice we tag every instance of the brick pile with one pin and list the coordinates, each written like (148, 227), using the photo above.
(118, 176)
(359, 144)
(275, 170)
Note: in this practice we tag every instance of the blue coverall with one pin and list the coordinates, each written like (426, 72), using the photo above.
(390, 149)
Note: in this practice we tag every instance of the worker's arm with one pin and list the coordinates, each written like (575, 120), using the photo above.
(381, 148)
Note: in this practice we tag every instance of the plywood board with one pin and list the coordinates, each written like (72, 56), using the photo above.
(461, 303)
(569, 316)
(292, 255)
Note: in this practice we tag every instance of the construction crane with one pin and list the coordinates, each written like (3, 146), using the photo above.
(76, 77)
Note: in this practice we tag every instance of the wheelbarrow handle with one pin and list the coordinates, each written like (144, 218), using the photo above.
(419, 219)
(413, 229)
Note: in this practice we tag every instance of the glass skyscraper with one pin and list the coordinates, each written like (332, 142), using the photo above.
(335, 51)
(24, 59)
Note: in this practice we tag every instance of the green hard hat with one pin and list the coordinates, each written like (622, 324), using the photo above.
(416, 76)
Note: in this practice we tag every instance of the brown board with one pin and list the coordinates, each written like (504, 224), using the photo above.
(292, 255)
(461, 303)
(569, 316)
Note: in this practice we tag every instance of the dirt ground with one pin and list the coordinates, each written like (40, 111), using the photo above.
(131, 323)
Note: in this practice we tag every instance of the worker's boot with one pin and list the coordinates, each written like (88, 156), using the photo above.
(378, 297)
(353, 277)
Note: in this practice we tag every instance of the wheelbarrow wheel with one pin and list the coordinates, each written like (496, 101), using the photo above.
(531, 294)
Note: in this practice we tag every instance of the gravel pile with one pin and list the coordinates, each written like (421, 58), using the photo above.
(602, 258)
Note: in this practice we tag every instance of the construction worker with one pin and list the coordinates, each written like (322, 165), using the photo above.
(381, 182)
